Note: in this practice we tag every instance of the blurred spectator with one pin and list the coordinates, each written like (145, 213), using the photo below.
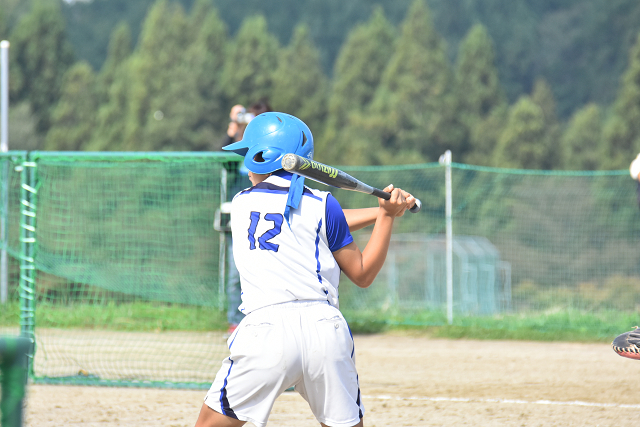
(239, 117)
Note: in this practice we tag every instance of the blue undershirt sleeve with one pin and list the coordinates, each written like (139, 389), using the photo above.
(338, 233)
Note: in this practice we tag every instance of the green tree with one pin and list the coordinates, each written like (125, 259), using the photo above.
(22, 128)
(543, 97)
(166, 95)
(4, 25)
(299, 85)
(622, 130)
(582, 140)
(479, 93)
(484, 137)
(205, 57)
(477, 80)
(112, 115)
(249, 65)
(40, 55)
(414, 106)
(357, 74)
(153, 101)
(120, 46)
(513, 25)
(163, 104)
(73, 119)
(522, 143)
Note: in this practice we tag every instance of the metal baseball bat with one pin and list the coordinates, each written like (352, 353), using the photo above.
(333, 177)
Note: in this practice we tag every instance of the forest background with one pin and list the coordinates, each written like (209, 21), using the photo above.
(535, 84)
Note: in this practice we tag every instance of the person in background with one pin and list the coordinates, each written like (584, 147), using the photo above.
(239, 118)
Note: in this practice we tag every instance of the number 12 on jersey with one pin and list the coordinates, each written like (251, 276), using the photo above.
(263, 240)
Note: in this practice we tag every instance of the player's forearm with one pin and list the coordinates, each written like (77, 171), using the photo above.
(375, 252)
(360, 218)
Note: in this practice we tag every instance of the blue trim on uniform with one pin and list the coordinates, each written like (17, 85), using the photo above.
(318, 251)
(267, 187)
(224, 401)
(358, 399)
(338, 234)
(357, 376)
(353, 349)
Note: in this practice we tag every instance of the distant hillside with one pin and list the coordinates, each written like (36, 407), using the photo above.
(579, 46)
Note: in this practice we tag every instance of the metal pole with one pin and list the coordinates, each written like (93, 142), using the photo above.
(4, 147)
(222, 257)
(445, 160)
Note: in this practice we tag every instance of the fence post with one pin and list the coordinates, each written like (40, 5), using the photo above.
(222, 256)
(28, 193)
(4, 147)
(445, 160)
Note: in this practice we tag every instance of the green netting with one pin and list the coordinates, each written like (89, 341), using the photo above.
(137, 228)
(126, 254)
(10, 208)
(524, 242)
(129, 266)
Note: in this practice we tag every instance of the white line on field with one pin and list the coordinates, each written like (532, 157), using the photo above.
(529, 402)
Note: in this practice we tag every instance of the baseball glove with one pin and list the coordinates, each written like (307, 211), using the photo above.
(628, 344)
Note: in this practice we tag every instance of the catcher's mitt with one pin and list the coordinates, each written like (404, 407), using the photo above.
(628, 344)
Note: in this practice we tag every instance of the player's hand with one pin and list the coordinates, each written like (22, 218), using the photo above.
(410, 201)
(397, 204)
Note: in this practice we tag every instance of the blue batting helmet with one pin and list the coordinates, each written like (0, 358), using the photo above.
(268, 137)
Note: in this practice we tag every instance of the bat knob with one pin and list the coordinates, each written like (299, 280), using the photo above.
(416, 207)
(289, 162)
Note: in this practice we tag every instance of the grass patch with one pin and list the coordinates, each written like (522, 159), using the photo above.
(139, 316)
(550, 325)
(10, 314)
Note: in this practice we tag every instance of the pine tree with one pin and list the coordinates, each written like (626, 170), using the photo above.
(477, 80)
(120, 46)
(582, 140)
(542, 95)
(484, 137)
(164, 103)
(41, 55)
(357, 74)
(478, 94)
(4, 26)
(360, 65)
(414, 107)
(522, 142)
(249, 65)
(205, 57)
(153, 100)
(112, 115)
(622, 130)
(73, 119)
(299, 85)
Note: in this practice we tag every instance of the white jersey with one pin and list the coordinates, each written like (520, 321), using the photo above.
(282, 261)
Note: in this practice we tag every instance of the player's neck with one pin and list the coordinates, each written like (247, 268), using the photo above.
(257, 178)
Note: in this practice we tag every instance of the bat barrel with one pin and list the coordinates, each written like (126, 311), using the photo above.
(331, 176)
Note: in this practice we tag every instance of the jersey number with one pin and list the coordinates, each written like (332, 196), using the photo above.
(263, 240)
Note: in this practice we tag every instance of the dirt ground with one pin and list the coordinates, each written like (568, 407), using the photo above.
(406, 380)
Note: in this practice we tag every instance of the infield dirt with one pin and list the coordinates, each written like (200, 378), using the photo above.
(406, 380)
